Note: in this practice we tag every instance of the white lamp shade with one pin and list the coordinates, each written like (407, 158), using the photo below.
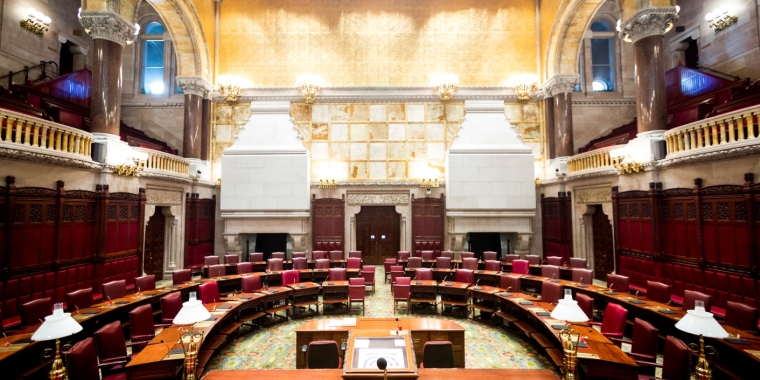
(567, 309)
(58, 325)
(700, 322)
(192, 311)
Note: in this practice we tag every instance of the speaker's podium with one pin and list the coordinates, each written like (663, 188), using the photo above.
(371, 350)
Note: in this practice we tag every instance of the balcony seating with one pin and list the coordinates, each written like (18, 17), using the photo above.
(741, 316)
(586, 304)
(353, 263)
(551, 292)
(508, 259)
(142, 328)
(357, 254)
(467, 255)
(114, 289)
(520, 266)
(584, 276)
(82, 363)
(368, 274)
(322, 264)
(423, 274)
(554, 260)
(550, 271)
(278, 255)
(511, 283)
(274, 265)
(490, 255)
(147, 282)
(470, 263)
(78, 299)
(300, 263)
(577, 262)
(494, 265)
(231, 259)
(337, 274)
(242, 268)
(336, 255)
(318, 255)
(257, 257)
(434, 246)
(387, 266)
(290, 277)
(448, 254)
(295, 255)
(658, 292)
(251, 284)
(613, 323)
(356, 291)
(465, 275)
(414, 262)
(211, 260)
(170, 306)
(443, 262)
(689, 296)
(396, 272)
(533, 259)
(217, 270)
(403, 255)
(34, 312)
(209, 292)
(401, 292)
(617, 283)
(437, 354)
(428, 255)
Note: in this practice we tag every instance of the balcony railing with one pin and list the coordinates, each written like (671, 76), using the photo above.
(735, 128)
(24, 131)
(594, 159)
(164, 162)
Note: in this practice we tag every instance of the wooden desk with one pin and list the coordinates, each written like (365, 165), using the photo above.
(487, 277)
(424, 374)
(486, 301)
(423, 292)
(334, 292)
(439, 274)
(304, 295)
(275, 300)
(455, 295)
(422, 329)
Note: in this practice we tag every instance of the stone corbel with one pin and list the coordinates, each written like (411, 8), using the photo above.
(108, 25)
(650, 21)
(457, 241)
(195, 86)
(232, 243)
(522, 245)
(298, 241)
(559, 84)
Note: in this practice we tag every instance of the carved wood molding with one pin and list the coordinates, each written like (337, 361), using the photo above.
(378, 197)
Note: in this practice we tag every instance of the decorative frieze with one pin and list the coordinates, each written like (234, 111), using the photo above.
(378, 197)
(595, 195)
(108, 25)
(648, 22)
(163, 197)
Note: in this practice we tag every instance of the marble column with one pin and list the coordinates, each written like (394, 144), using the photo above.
(206, 130)
(549, 122)
(195, 89)
(558, 91)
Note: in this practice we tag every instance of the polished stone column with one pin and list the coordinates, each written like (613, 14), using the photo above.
(206, 130)
(191, 147)
(563, 124)
(549, 121)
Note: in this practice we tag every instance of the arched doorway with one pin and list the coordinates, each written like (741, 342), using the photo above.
(155, 234)
(378, 230)
(604, 262)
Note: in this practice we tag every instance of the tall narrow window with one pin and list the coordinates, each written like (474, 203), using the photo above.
(153, 59)
(602, 59)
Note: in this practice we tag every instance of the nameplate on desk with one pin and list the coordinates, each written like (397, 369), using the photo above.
(300, 286)
(478, 271)
(610, 293)
(177, 353)
(528, 277)
(543, 313)
(559, 327)
(505, 294)
(89, 312)
(121, 303)
(736, 341)
(581, 286)
(667, 311)
(272, 291)
(637, 302)
(211, 319)
(526, 303)
(448, 284)
(580, 344)
(555, 281)
(224, 307)
(235, 302)
(224, 278)
(244, 298)
(149, 294)
(478, 288)
(330, 283)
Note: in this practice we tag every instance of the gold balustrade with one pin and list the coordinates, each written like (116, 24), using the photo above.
(728, 128)
(160, 161)
(29, 131)
(594, 159)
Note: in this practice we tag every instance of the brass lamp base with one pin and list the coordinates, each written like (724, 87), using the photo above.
(570, 350)
(191, 356)
(57, 370)
(703, 371)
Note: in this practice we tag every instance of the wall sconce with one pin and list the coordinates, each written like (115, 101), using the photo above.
(522, 84)
(230, 87)
(721, 18)
(328, 184)
(445, 84)
(309, 84)
(428, 184)
(37, 22)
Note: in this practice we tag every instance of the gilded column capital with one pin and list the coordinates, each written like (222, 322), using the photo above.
(195, 86)
(560, 83)
(648, 22)
(108, 25)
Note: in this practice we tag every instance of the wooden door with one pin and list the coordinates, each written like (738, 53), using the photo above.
(154, 244)
(377, 233)
(602, 230)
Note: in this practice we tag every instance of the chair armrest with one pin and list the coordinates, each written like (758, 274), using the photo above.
(594, 323)
(112, 362)
(651, 364)
(619, 341)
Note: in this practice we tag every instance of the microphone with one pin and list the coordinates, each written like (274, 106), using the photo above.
(110, 302)
(6, 344)
(476, 285)
(509, 287)
(444, 279)
(213, 300)
(77, 308)
(138, 291)
(415, 277)
(266, 283)
(553, 274)
(383, 365)
(398, 328)
(636, 296)
(611, 285)
(580, 281)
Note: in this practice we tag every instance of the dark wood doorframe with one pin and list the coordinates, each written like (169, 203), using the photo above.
(378, 233)
(155, 236)
(602, 238)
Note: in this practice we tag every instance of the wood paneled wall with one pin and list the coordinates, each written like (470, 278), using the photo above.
(557, 225)
(199, 228)
(327, 221)
(427, 223)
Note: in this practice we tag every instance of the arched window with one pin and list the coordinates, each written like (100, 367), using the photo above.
(598, 58)
(153, 59)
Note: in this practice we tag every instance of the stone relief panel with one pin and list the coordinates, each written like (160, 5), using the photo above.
(594, 195)
(378, 197)
(163, 197)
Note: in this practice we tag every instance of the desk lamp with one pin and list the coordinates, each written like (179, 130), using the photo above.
(700, 322)
(191, 313)
(567, 310)
(56, 326)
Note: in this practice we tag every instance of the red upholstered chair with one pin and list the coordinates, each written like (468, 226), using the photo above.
(467, 254)
(78, 299)
(368, 274)
(82, 363)
(111, 345)
(618, 283)
(675, 361)
(508, 283)
(494, 265)
(403, 255)
(510, 258)
(465, 275)
(231, 259)
(322, 264)
(114, 289)
(278, 255)
(741, 316)
(257, 257)
(317, 255)
(300, 263)
(396, 272)
(613, 323)
(414, 262)
(577, 262)
(181, 276)
(336, 255)
(353, 263)
(583, 276)
(209, 292)
(295, 255)
(424, 274)
(337, 274)
(554, 260)
(242, 268)
(357, 254)
(322, 354)
(437, 354)
(550, 271)
(658, 292)
(443, 262)
(401, 292)
(490, 255)
(147, 282)
(689, 296)
(290, 277)
(211, 260)
(170, 306)
(34, 312)
(274, 265)
(644, 341)
(551, 292)
(428, 255)
(217, 270)
(448, 254)
(533, 259)
(356, 291)
(470, 263)
(251, 284)
(142, 328)
(520, 266)
(387, 266)
(586, 304)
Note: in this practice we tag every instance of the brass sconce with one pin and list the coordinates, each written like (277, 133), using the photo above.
(445, 84)
(309, 84)
(523, 84)
(328, 184)
(721, 18)
(37, 22)
(230, 87)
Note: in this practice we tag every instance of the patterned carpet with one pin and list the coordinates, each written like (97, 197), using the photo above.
(274, 347)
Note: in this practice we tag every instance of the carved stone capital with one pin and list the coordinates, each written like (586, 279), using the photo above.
(195, 86)
(108, 25)
(560, 83)
(648, 22)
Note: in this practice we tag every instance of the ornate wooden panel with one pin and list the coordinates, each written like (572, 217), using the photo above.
(377, 233)
(602, 233)
(155, 234)
(200, 215)
(427, 220)
(327, 220)
(556, 225)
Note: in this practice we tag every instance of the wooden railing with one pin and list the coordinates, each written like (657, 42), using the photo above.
(29, 131)
(722, 129)
(595, 159)
(160, 161)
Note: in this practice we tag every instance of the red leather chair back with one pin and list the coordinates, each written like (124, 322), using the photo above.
(658, 292)
(428, 255)
(437, 354)
(550, 271)
(510, 258)
(243, 268)
(278, 255)
(357, 254)
(181, 276)
(577, 262)
(336, 255)
(353, 262)
(209, 292)
(300, 263)
(337, 274)
(403, 280)
(356, 289)
(424, 274)
(533, 259)
(231, 259)
(689, 296)
(323, 354)
(401, 289)
(741, 316)
(318, 255)
(470, 263)
(368, 274)
(274, 265)
(448, 254)
(414, 262)
(584, 276)
(494, 265)
(644, 345)
(170, 306)
(81, 298)
(211, 260)
(443, 262)
(290, 277)
(490, 255)
(551, 292)
(403, 255)
(676, 360)
(83, 361)
(465, 275)
(586, 304)
(114, 289)
(554, 260)
(509, 282)
(467, 254)
(613, 323)
(251, 284)
(257, 257)
(387, 264)
(147, 282)
(217, 270)
(110, 342)
(33, 312)
(322, 264)
(619, 283)
(141, 323)
(294, 255)
(520, 266)
(396, 272)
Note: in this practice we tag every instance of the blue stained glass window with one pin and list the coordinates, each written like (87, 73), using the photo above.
(601, 26)
(153, 67)
(602, 62)
(154, 28)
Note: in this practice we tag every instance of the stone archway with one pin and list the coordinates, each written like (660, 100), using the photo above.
(563, 47)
